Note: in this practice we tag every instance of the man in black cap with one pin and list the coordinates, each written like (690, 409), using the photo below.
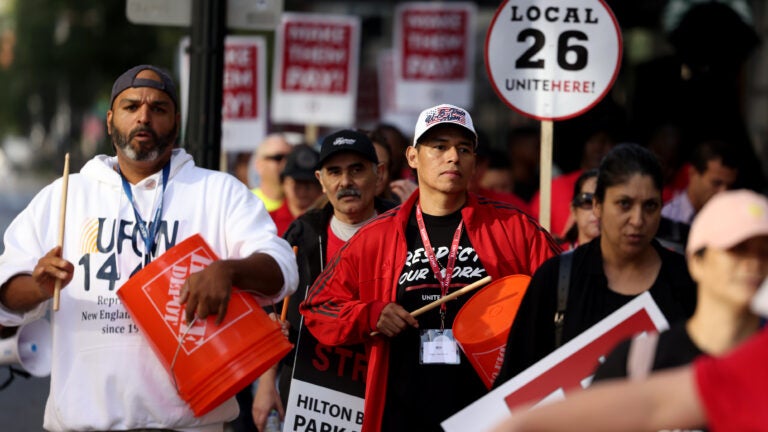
(122, 212)
(349, 172)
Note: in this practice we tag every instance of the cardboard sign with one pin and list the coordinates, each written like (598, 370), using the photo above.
(434, 46)
(244, 98)
(327, 388)
(570, 367)
(316, 66)
(554, 59)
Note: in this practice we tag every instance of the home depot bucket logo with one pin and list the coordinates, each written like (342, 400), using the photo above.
(163, 293)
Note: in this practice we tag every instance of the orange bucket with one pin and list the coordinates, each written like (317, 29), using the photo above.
(208, 363)
(482, 325)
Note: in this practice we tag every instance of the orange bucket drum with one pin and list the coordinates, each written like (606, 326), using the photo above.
(482, 325)
(209, 363)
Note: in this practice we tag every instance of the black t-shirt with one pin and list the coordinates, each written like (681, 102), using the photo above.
(419, 396)
(674, 348)
(590, 299)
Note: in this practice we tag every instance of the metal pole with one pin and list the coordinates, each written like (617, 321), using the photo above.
(206, 80)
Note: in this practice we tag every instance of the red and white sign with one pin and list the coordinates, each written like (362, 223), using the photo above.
(244, 100)
(434, 53)
(570, 367)
(316, 67)
(553, 59)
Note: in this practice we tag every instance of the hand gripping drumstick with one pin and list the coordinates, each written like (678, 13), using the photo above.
(62, 218)
(451, 296)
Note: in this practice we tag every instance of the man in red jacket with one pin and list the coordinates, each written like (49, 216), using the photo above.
(440, 240)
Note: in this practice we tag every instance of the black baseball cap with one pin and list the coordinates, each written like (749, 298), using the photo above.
(301, 163)
(128, 80)
(347, 140)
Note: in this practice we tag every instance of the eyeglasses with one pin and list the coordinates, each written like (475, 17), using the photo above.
(276, 157)
(583, 201)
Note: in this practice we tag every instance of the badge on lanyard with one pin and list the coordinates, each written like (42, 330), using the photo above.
(438, 347)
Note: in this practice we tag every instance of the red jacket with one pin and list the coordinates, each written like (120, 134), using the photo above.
(344, 304)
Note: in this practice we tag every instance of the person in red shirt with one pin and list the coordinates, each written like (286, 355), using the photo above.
(728, 394)
(300, 186)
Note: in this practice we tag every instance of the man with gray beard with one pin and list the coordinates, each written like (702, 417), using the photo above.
(124, 211)
(349, 172)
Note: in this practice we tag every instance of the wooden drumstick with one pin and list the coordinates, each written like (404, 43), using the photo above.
(62, 218)
(451, 296)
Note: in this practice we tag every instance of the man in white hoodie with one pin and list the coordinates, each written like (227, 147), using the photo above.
(122, 212)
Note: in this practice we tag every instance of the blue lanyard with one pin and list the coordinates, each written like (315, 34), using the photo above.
(147, 234)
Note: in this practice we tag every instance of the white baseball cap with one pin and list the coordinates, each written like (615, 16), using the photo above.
(443, 114)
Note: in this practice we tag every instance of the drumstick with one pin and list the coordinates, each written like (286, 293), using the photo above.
(284, 311)
(62, 218)
(451, 296)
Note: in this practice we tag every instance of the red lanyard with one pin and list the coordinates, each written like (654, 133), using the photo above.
(443, 278)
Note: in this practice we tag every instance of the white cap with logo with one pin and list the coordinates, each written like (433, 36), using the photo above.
(443, 114)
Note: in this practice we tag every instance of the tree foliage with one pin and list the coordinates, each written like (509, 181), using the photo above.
(67, 54)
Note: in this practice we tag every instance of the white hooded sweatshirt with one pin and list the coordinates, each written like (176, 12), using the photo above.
(104, 374)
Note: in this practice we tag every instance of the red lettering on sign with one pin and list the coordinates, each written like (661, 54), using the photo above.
(240, 97)
(316, 57)
(434, 44)
(347, 362)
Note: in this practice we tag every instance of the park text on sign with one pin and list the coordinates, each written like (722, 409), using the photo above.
(240, 78)
(434, 44)
(316, 57)
(553, 60)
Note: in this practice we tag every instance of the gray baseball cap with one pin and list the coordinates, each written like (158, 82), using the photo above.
(128, 80)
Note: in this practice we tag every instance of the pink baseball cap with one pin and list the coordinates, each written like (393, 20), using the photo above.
(727, 219)
(443, 114)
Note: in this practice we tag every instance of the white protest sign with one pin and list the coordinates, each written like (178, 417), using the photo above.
(244, 100)
(553, 59)
(434, 53)
(315, 70)
(327, 386)
(570, 367)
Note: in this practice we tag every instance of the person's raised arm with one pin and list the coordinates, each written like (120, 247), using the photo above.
(24, 292)
(667, 400)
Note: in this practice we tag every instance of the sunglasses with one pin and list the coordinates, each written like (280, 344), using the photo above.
(583, 201)
(276, 157)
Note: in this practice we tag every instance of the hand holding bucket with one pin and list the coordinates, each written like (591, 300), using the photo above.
(209, 363)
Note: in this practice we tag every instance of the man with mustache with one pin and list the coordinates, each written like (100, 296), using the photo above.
(122, 212)
(439, 240)
(349, 171)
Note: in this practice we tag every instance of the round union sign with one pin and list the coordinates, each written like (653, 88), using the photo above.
(553, 59)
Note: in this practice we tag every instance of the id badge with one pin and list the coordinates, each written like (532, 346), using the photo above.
(438, 347)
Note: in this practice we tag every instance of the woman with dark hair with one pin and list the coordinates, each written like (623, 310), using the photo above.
(584, 226)
(606, 273)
